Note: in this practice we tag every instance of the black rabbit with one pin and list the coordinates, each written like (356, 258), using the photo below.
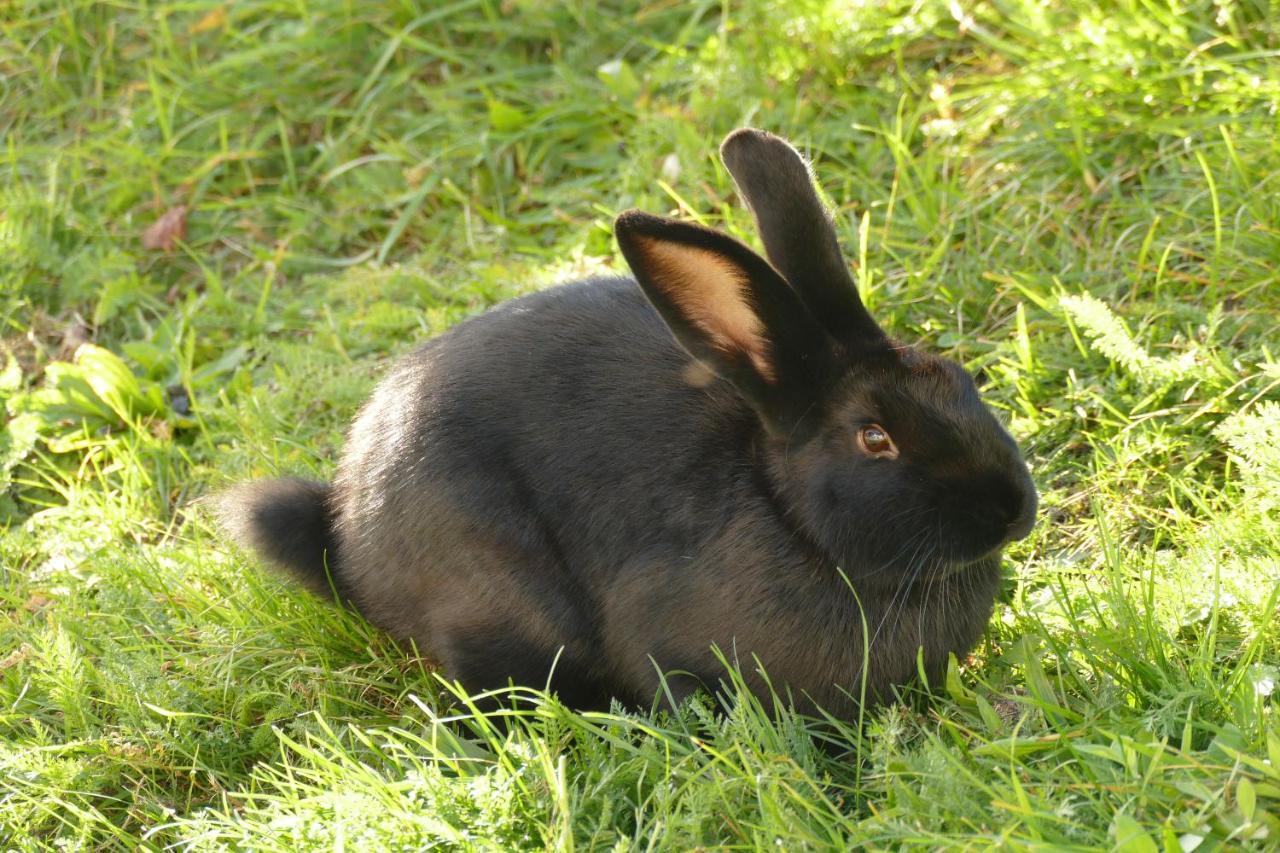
(616, 478)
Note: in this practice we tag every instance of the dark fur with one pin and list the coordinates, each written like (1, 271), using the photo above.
(547, 478)
(288, 522)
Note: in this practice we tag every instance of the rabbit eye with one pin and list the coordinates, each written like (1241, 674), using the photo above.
(874, 441)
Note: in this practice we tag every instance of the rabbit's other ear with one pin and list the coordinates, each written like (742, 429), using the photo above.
(732, 311)
(799, 238)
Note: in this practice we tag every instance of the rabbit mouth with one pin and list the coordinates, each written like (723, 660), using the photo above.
(987, 561)
(932, 571)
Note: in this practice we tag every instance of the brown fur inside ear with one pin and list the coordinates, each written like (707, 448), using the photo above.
(712, 293)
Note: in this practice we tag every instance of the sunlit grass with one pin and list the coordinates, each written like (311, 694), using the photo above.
(1077, 200)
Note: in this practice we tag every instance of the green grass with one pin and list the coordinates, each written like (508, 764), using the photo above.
(1080, 200)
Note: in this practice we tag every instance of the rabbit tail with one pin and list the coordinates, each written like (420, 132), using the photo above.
(288, 523)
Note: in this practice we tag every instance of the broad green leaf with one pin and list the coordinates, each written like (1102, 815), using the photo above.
(10, 376)
(1130, 837)
(1247, 799)
(116, 385)
(505, 118)
(955, 686)
(989, 715)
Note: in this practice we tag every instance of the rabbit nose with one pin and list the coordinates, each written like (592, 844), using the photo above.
(1021, 525)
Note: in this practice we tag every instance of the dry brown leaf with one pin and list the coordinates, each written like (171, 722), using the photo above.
(36, 602)
(216, 19)
(74, 335)
(167, 230)
(414, 177)
(16, 656)
(1008, 710)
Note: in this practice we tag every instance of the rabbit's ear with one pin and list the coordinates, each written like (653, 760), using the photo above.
(732, 311)
(798, 235)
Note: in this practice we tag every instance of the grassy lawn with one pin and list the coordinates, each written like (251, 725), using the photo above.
(1080, 201)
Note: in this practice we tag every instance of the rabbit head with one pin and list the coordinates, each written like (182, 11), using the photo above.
(883, 455)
